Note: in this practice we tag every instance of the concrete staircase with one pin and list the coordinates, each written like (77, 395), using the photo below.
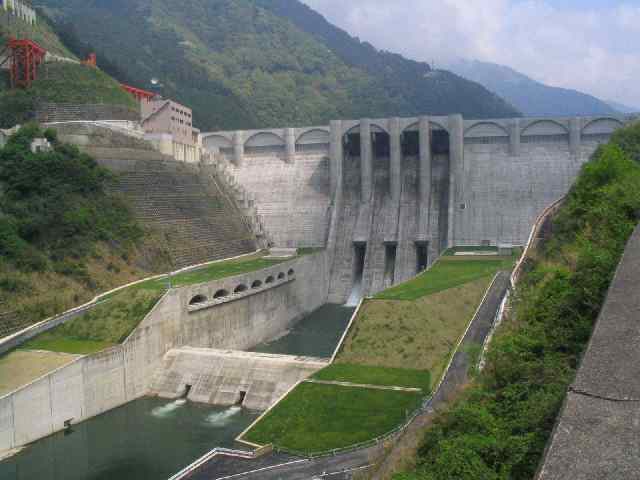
(200, 222)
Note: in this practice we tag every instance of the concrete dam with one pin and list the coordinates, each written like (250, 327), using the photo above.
(387, 196)
(380, 200)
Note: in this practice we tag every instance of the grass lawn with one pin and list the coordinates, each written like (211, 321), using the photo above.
(382, 376)
(420, 333)
(106, 325)
(315, 417)
(212, 272)
(19, 368)
(447, 273)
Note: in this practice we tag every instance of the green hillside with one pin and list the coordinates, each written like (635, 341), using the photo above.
(241, 65)
(58, 82)
(63, 236)
(41, 32)
(62, 83)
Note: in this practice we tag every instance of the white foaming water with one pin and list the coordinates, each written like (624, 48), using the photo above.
(221, 419)
(166, 410)
(356, 295)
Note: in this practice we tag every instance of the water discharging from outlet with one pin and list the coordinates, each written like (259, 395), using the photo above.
(360, 253)
(148, 439)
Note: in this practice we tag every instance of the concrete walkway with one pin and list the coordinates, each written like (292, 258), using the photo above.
(360, 385)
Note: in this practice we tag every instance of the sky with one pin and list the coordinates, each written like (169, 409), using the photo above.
(588, 45)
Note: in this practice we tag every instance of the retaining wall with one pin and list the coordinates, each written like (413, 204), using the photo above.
(100, 382)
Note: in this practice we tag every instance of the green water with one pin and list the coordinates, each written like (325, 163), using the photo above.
(148, 439)
(316, 335)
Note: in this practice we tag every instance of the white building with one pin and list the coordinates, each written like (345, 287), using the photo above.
(21, 9)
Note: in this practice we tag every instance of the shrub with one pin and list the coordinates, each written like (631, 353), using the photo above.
(501, 426)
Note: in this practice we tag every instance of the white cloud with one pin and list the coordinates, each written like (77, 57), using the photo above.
(593, 50)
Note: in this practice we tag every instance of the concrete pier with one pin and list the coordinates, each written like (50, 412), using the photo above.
(238, 148)
(337, 157)
(424, 172)
(395, 159)
(456, 166)
(290, 144)
(366, 161)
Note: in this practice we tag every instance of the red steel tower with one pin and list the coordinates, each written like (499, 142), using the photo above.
(25, 57)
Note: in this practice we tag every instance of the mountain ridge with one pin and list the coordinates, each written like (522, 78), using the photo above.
(240, 65)
(532, 98)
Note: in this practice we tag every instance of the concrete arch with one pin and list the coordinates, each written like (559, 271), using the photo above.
(216, 142)
(414, 127)
(355, 129)
(375, 128)
(281, 276)
(291, 272)
(264, 139)
(604, 125)
(314, 135)
(198, 299)
(270, 279)
(544, 128)
(486, 129)
(439, 126)
(256, 284)
(221, 294)
(241, 288)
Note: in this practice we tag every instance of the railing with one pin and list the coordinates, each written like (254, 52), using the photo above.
(535, 231)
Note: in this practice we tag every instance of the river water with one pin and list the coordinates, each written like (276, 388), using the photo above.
(148, 439)
(316, 335)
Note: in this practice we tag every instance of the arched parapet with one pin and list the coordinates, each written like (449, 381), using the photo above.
(545, 131)
(486, 133)
(263, 142)
(409, 124)
(350, 126)
(218, 142)
(601, 126)
(313, 139)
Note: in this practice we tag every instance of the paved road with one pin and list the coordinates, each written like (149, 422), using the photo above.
(283, 467)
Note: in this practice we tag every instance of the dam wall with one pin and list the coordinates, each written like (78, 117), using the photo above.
(222, 377)
(399, 191)
(287, 174)
(240, 319)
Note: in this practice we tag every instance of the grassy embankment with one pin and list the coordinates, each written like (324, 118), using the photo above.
(498, 429)
(113, 321)
(417, 324)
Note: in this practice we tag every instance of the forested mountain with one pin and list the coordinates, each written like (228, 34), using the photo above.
(532, 98)
(250, 63)
(623, 108)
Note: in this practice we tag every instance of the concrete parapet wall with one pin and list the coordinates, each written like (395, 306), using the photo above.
(219, 377)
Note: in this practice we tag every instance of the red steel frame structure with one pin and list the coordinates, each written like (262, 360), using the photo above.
(138, 92)
(25, 57)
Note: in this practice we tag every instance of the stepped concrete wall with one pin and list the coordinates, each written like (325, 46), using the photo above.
(64, 112)
(100, 382)
(219, 377)
(199, 220)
